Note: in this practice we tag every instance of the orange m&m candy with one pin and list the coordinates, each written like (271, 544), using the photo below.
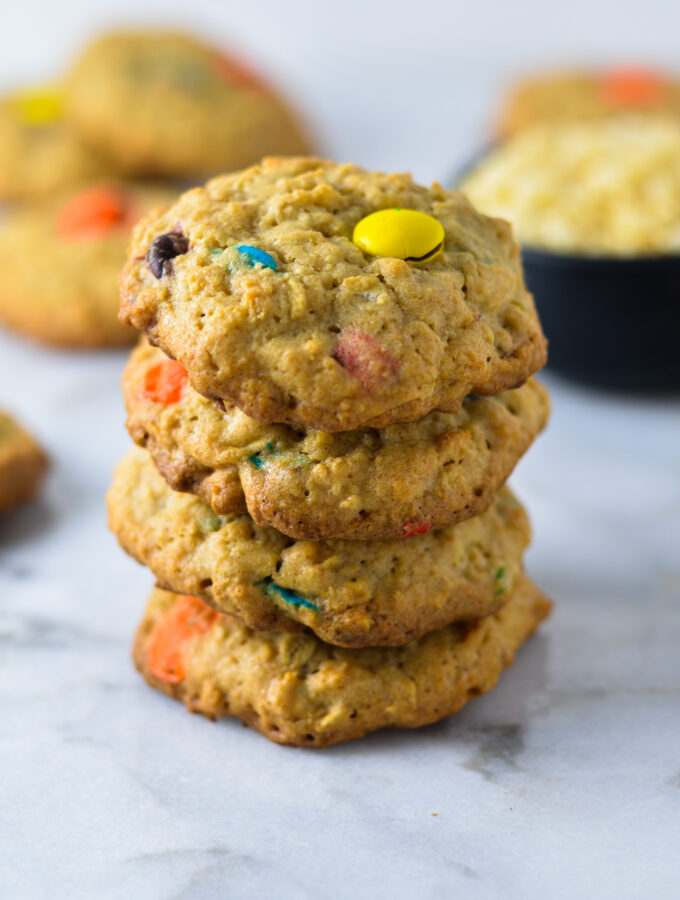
(633, 88)
(172, 636)
(236, 73)
(164, 382)
(92, 213)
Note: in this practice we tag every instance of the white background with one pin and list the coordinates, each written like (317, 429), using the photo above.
(564, 782)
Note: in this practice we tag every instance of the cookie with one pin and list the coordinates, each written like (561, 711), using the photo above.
(587, 94)
(256, 285)
(350, 593)
(164, 103)
(22, 464)
(40, 154)
(368, 484)
(296, 690)
(59, 265)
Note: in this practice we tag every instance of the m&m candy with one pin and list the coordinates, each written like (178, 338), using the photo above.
(164, 383)
(633, 88)
(164, 248)
(400, 233)
(253, 256)
(38, 107)
(92, 213)
(172, 636)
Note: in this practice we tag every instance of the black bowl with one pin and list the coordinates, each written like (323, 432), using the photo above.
(613, 322)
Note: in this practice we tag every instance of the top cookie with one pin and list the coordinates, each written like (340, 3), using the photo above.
(164, 103)
(255, 285)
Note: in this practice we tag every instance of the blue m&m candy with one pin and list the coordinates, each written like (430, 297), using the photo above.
(253, 256)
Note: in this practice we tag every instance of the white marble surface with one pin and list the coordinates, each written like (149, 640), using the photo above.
(563, 783)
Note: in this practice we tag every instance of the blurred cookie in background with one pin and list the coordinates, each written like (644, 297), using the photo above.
(165, 103)
(59, 264)
(587, 94)
(23, 464)
(39, 151)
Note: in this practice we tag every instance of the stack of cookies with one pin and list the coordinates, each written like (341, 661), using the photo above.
(85, 157)
(335, 387)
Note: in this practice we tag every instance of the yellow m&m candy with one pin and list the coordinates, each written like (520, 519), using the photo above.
(400, 233)
(38, 107)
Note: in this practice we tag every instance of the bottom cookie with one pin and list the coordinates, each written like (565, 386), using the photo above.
(299, 691)
(22, 464)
